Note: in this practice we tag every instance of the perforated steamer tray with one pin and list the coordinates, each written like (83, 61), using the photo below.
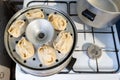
(34, 62)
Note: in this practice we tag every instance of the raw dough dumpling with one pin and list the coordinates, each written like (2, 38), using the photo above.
(24, 49)
(17, 28)
(63, 42)
(34, 14)
(58, 22)
(47, 55)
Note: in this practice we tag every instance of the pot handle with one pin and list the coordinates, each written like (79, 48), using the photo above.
(89, 15)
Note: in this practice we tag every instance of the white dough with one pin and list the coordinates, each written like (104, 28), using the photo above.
(34, 14)
(17, 28)
(63, 42)
(24, 49)
(58, 22)
(47, 55)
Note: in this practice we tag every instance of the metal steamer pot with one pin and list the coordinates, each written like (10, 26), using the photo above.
(99, 13)
(33, 65)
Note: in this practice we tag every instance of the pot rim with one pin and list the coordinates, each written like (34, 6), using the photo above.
(102, 10)
(34, 7)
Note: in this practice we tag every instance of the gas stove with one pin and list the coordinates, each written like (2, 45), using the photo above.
(97, 52)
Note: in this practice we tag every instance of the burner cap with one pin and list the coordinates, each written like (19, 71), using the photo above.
(94, 51)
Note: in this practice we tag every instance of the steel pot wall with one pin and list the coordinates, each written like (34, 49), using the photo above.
(46, 72)
(98, 13)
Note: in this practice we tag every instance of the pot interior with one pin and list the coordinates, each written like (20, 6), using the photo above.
(106, 5)
(33, 62)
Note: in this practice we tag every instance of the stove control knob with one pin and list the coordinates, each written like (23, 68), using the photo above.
(1, 75)
(4, 73)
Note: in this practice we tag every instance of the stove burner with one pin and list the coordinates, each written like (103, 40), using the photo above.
(94, 51)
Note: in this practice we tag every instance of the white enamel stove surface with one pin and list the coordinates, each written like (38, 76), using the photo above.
(102, 37)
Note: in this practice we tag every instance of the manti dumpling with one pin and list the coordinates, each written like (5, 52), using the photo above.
(47, 55)
(17, 28)
(24, 49)
(34, 14)
(58, 22)
(63, 42)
